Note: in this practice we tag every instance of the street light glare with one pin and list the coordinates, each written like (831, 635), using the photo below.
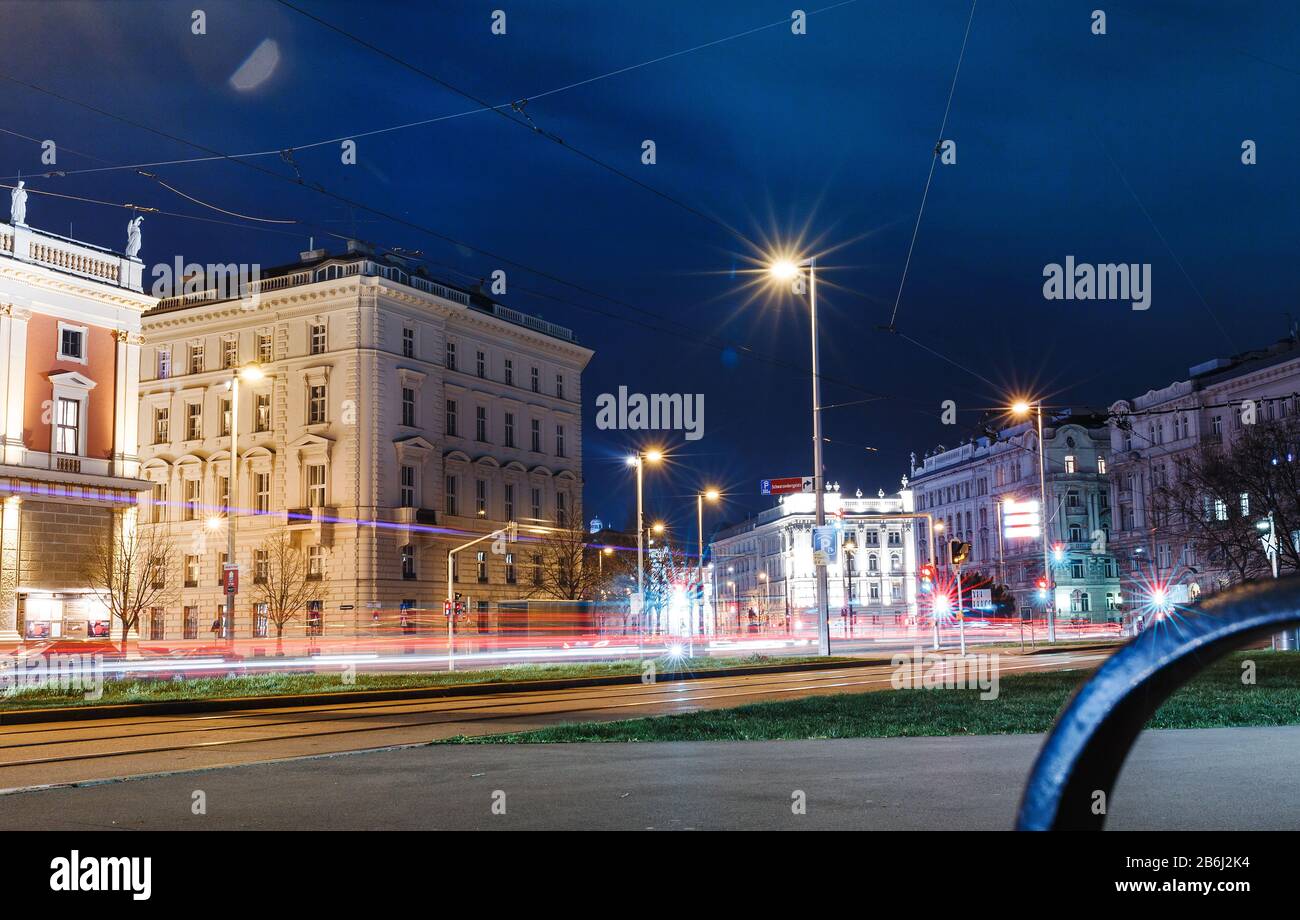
(1020, 408)
(251, 373)
(214, 522)
(712, 495)
(783, 270)
(654, 456)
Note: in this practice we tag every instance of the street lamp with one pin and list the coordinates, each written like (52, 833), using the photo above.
(712, 495)
(1021, 409)
(249, 373)
(787, 270)
(639, 460)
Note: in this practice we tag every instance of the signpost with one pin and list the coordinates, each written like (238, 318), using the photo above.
(230, 578)
(787, 486)
(826, 545)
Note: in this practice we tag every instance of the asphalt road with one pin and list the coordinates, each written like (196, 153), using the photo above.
(73, 752)
(1233, 778)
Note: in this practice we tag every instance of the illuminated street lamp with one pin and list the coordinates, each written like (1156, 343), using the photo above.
(712, 495)
(249, 373)
(639, 460)
(1021, 409)
(785, 270)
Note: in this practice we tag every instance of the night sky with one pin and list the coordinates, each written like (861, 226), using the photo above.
(1117, 148)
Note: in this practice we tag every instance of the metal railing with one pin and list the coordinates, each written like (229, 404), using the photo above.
(1086, 749)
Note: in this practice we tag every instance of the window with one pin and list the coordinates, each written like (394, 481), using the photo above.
(193, 421)
(1077, 569)
(317, 339)
(72, 343)
(316, 562)
(480, 423)
(537, 570)
(260, 621)
(451, 506)
(68, 426)
(408, 342)
(408, 487)
(561, 509)
(559, 441)
(1101, 465)
(512, 577)
(451, 418)
(895, 563)
(537, 436)
(193, 489)
(316, 485)
(1069, 464)
(190, 629)
(223, 406)
(261, 566)
(316, 404)
(196, 357)
(510, 501)
(480, 364)
(315, 618)
(162, 426)
(480, 497)
(261, 493)
(451, 356)
(1245, 504)
(559, 385)
(537, 504)
(159, 499)
(510, 429)
(223, 495)
(229, 352)
(157, 623)
(510, 372)
(1072, 498)
(265, 348)
(408, 561)
(408, 407)
(164, 363)
(191, 571)
(222, 559)
(262, 412)
(1216, 425)
(537, 380)
(480, 566)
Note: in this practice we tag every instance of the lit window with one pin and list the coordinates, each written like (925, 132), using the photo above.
(265, 349)
(196, 358)
(1069, 464)
(161, 426)
(68, 432)
(164, 363)
(230, 352)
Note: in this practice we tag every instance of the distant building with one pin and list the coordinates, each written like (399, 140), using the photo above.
(69, 358)
(765, 564)
(1151, 432)
(965, 486)
(399, 417)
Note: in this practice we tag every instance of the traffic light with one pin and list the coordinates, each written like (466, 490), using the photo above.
(1042, 588)
(927, 578)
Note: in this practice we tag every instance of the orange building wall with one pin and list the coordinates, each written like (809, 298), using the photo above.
(42, 361)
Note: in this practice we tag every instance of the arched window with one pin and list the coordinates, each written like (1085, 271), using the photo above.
(873, 563)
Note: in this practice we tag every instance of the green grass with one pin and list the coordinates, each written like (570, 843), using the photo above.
(142, 691)
(1026, 703)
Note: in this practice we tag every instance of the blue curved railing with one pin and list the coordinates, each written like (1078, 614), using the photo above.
(1091, 739)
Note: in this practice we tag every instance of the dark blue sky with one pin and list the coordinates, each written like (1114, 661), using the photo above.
(1123, 147)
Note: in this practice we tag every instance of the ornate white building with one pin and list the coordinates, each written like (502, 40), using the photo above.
(398, 417)
(69, 357)
(965, 486)
(765, 564)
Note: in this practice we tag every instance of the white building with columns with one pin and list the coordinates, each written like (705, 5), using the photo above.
(70, 319)
(398, 417)
(765, 564)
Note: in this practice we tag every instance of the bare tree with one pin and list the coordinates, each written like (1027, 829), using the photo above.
(1218, 499)
(570, 569)
(126, 570)
(283, 585)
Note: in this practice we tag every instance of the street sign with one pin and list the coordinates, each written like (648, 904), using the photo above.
(826, 545)
(347, 607)
(982, 598)
(1021, 519)
(786, 486)
(230, 578)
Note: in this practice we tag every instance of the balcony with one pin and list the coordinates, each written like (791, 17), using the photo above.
(424, 516)
(315, 522)
(72, 257)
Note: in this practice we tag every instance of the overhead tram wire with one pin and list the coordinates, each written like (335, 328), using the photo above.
(397, 219)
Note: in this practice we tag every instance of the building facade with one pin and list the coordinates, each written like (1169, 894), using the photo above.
(965, 488)
(1152, 432)
(765, 564)
(397, 418)
(70, 319)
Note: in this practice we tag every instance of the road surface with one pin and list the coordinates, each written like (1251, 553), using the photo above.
(72, 752)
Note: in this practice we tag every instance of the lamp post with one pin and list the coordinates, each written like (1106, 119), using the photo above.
(1021, 409)
(638, 460)
(712, 495)
(787, 270)
(252, 373)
